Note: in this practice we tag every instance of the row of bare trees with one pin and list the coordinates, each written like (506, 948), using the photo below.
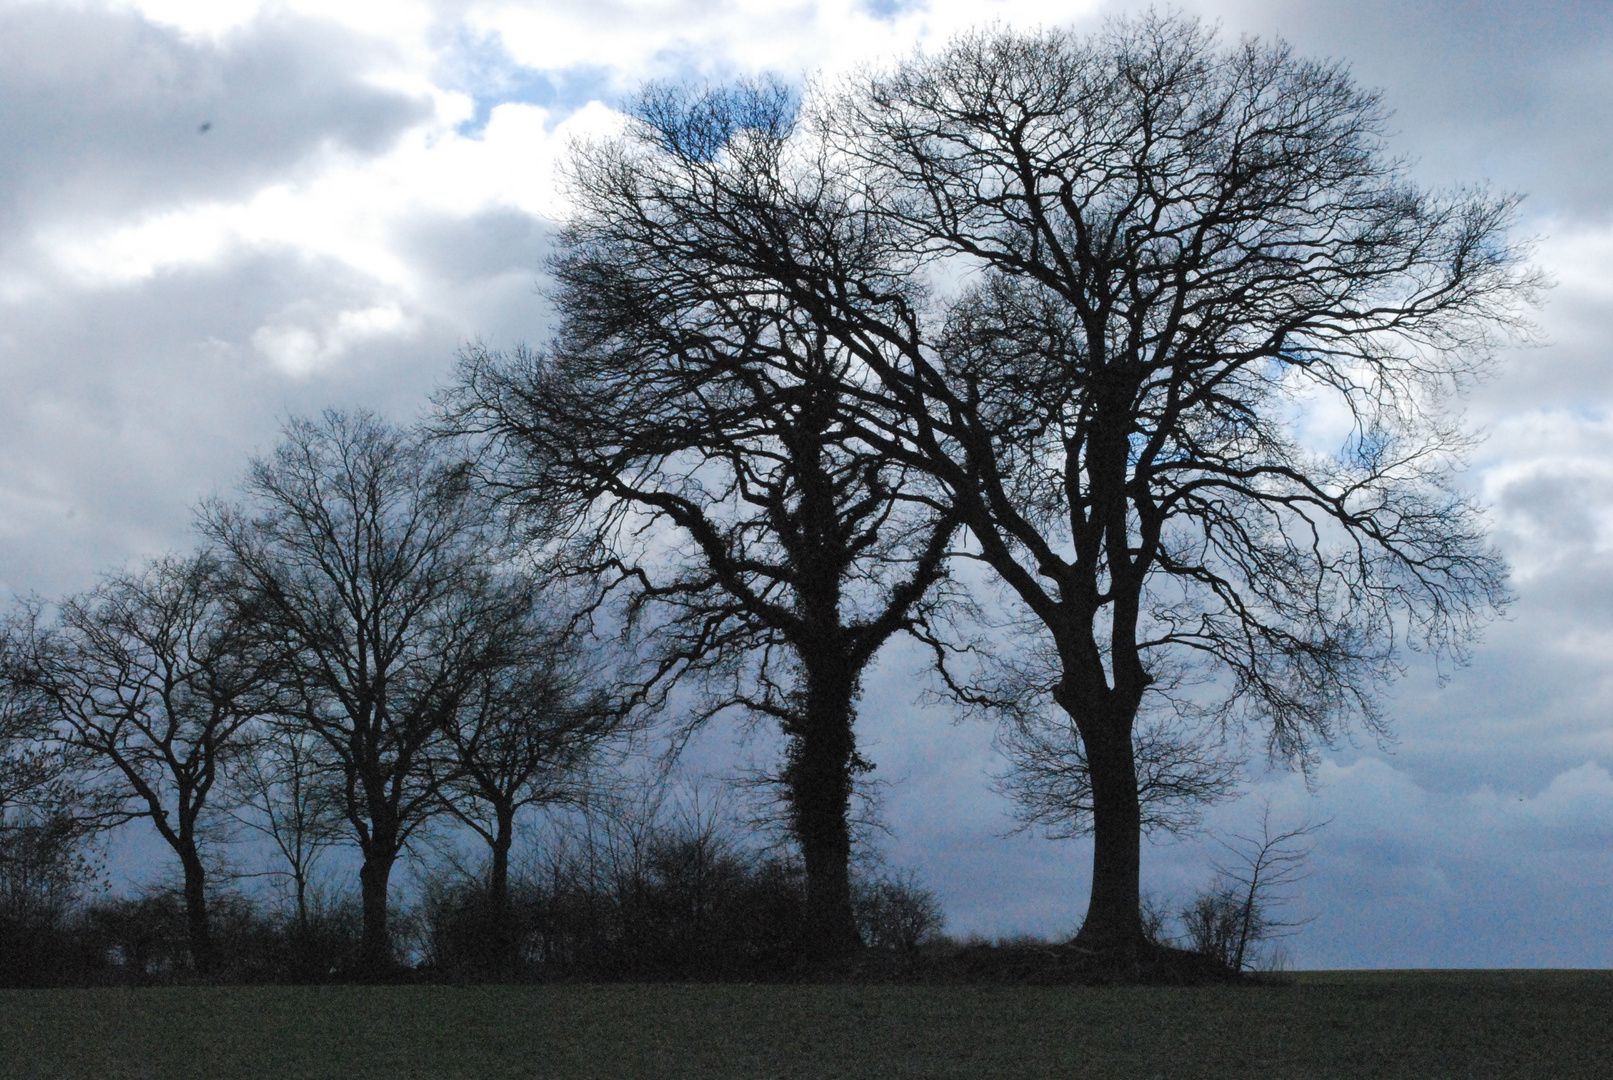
(1053, 309)
(352, 655)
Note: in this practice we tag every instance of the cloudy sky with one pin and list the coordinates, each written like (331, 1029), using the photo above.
(216, 213)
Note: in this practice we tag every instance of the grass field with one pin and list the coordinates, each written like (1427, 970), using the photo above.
(1549, 1024)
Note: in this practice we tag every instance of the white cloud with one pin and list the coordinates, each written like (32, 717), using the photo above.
(300, 350)
(199, 17)
(674, 37)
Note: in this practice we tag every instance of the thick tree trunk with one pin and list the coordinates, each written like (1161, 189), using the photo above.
(1113, 922)
(819, 789)
(375, 948)
(196, 919)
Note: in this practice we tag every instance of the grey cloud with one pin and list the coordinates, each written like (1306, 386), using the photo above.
(1517, 94)
(120, 407)
(1558, 507)
(1405, 877)
(486, 269)
(103, 112)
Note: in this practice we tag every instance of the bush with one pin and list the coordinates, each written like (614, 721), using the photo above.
(659, 902)
(278, 947)
(1156, 918)
(897, 913)
(676, 904)
(137, 939)
(43, 874)
(1215, 925)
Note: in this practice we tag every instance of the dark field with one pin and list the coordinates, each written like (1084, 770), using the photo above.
(1325, 1024)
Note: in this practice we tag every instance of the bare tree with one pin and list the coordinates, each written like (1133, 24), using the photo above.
(48, 811)
(527, 735)
(1171, 248)
(287, 789)
(379, 584)
(687, 434)
(1242, 906)
(152, 676)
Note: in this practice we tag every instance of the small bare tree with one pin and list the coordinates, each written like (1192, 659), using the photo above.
(152, 677)
(287, 789)
(1242, 907)
(526, 735)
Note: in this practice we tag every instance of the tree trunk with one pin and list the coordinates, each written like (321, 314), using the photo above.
(197, 923)
(1113, 922)
(300, 879)
(819, 789)
(375, 948)
(501, 943)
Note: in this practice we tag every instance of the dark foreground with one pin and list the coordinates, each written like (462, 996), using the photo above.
(1323, 1024)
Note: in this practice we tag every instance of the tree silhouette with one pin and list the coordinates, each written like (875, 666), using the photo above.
(153, 676)
(1174, 247)
(687, 433)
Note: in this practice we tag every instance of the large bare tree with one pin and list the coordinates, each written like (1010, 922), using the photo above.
(1103, 281)
(686, 432)
(1171, 250)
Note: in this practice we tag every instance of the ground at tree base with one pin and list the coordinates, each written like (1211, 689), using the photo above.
(1027, 963)
(1388, 1024)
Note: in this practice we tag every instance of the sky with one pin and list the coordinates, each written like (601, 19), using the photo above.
(217, 214)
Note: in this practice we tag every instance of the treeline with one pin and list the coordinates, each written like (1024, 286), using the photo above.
(356, 659)
(1050, 307)
(646, 898)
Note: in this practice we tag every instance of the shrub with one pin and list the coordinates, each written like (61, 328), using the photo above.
(897, 912)
(43, 873)
(137, 939)
(677, 904)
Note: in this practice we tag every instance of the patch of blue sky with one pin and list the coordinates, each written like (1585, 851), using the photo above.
(479, 65)
(891, 10)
